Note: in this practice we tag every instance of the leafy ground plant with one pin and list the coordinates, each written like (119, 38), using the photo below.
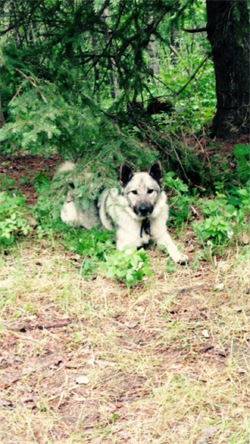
(93, 245)
(242, 156)
(180, 199)
(225, 216)
(129, 265)
(218, 223)
(6, 182)
(13, 217)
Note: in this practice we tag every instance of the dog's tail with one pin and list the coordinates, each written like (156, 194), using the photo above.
(66, 167)
(69, 213)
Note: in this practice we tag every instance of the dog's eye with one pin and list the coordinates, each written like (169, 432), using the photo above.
(134, 192)
(150, 191)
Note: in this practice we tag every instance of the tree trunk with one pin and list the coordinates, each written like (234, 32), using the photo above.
(2, 118)
(228, 33)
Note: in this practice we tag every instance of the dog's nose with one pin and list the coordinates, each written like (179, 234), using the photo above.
(145, 210)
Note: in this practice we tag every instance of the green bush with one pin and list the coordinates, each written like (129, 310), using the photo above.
(6, 182)
(129, 265)
(242, 156)
(13, 218)
(43, 120)
(180, 199)
(225, 216)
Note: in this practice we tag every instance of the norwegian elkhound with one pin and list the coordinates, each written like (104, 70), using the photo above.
(139, 214)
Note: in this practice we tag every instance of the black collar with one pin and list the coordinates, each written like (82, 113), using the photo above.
(145, 226)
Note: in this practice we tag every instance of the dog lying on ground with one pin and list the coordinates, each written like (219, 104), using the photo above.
(139, 214)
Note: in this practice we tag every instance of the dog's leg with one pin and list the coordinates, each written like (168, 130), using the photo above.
(124, 240)
(69, 214)
(166, 241)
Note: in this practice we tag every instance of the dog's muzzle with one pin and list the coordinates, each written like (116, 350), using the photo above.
(144, 210)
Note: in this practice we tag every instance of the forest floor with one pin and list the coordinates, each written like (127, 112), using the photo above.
(90, 361)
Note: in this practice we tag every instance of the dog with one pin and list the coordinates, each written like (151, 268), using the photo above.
(138, 215)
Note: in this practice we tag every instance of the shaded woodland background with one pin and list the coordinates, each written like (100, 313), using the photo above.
(78, 74)
(100, 82)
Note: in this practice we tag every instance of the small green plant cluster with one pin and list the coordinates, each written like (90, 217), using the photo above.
(25, 180)
(6, 183)
(42, 183)
(98, 250)
(129, 265)
(219, 220)
(180, 199)
(13, 217)
(225, 216)
(93, 245)
(242, 157)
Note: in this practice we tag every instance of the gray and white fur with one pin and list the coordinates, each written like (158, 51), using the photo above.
(139, 214)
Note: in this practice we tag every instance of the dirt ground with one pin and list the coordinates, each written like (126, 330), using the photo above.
(27, 166)
(89, 361)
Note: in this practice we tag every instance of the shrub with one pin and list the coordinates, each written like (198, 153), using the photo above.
(129, 265)
(13, 218)
(180, 200)
(242, 156)
(219, 223)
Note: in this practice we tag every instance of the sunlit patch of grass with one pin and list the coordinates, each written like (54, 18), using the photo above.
(164, 362)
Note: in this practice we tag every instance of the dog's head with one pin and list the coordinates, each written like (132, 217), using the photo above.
(141, 190)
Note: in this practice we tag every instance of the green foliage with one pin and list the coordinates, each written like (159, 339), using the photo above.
(70, 88)
(223, 220)
(42, 120)
(170, 266)
(13, 218)
(47, 209)
(218, 229)
(6, 182)
(242, 156)
(42, 183)
(93, 245)
(176, 184)
(180, 199)
(90, 243)
(25, 180)
(129, 265)
(244, 197)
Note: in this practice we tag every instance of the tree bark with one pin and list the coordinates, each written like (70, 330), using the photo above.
(228, 33)
(2, 118)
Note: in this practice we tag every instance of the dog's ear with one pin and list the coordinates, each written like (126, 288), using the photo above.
(156, 171)
(126, 174)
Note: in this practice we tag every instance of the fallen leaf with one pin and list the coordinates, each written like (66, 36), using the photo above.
(220, 286)
(131, 324)
(205, 333)
(82, 380)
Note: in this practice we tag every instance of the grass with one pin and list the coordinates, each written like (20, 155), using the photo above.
(165, 362)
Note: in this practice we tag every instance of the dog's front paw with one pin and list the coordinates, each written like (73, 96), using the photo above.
(181, 259)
